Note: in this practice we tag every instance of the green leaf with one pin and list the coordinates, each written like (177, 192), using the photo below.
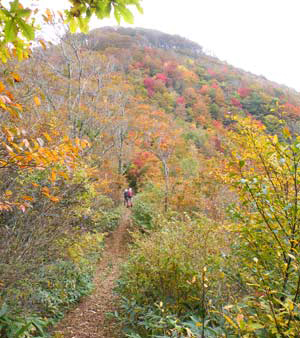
(84, 24)
(107, 9)
(22, 330)
(117, 15)
(137, 5)
(27, 30)
(3, 309)
(38, 324)
(73, 25)
(14, 5)
(126, 14)
(24, 13)
(241, 163)
(10, 30)
(254, 326)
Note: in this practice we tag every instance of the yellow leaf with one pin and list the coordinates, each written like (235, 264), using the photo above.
(2, 87)
(37, 101)
(63, 174)
(53, 176)
(8, 193)
(54, 199)
(48, 16)
(16, 77)
(47, 136)
(27, 198)
(230, 321)
(286, 132)
(42, 43)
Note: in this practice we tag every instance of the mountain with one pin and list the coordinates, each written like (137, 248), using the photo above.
(202, 86)
(211, 154)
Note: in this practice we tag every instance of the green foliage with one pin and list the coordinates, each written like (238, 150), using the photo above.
(143, 215)
(170, 265)
(255, 105)
(174, 282)
(12, 326)
(81, 12)
(59, 285)
(49, 293)
(199, 137)
(214, 111)
(109, 220)
(156, 321)
(272, 123)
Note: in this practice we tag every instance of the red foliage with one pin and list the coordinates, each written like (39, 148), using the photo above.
(138, 163)
(204, 89)
(244, 92)
(225, 69)
(214, 85)
(161, 77)
(170, 67)
(180, 100)
(292, 110)
(138, 65)
(211, 72)
(150, 92)
(149, 82)
(236, 102)
(217, 124)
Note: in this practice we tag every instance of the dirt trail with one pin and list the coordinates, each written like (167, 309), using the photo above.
(89, 319)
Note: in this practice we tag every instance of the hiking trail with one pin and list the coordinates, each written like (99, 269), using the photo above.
(89, 319)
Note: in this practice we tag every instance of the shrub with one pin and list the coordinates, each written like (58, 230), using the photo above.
(143, 215)
(17, 327)
(170, 266)
(109, 220)
(61, 284)
(154, 321)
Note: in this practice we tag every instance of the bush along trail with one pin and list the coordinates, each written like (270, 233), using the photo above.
(90, 318)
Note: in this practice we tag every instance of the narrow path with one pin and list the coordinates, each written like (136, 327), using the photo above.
(89, 319)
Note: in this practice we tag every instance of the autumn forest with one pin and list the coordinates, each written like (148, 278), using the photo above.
(212, 153)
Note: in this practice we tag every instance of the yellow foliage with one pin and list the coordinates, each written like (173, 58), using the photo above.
(86, 244)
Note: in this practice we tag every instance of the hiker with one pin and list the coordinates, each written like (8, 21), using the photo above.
(130, 195)
(126, 197)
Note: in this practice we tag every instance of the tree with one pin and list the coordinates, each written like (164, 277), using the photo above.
(159, 135)
(265, 174)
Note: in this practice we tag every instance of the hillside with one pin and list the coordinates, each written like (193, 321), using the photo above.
(212, 154)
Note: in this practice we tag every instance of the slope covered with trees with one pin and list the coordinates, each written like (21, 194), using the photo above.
(212, 153)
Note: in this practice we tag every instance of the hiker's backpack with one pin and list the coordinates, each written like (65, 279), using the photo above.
(129, 193)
